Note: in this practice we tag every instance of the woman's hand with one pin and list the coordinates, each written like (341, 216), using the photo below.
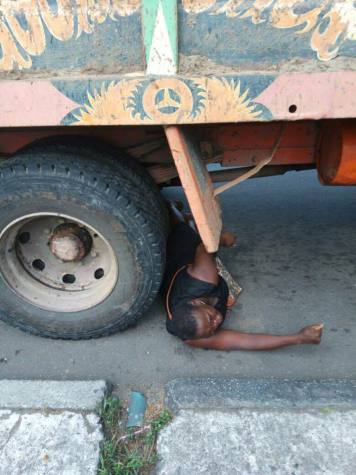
(311, 334)
(227, 239)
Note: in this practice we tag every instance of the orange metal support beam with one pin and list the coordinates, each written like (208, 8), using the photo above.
(197, 186)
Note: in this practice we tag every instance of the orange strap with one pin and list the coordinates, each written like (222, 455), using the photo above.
(170, 316)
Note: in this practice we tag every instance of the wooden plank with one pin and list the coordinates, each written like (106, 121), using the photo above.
(197, 186)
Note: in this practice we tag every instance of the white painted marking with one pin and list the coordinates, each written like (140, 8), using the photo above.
(161, 61)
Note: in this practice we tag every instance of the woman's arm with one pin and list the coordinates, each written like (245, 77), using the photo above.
(204, 266)
(228, 340)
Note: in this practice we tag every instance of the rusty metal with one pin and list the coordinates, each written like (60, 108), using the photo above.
(248, 144)
(12, 140)
(255, 169)
(337, 160)
(70, 242)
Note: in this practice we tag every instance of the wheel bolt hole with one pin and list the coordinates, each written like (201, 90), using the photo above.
(24, 237)
(99, 273)
(95, 235)
(38, 264)
(68, 278)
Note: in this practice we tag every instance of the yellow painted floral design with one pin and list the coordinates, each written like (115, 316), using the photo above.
(331, 22)
(23, 24)
(168, 100)
(107, 106)
(226, 99)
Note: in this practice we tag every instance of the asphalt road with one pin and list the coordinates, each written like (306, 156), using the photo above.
(295, 260)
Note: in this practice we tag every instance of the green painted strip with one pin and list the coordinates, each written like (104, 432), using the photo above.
(149, 14)
(170, 14)
(149, 18)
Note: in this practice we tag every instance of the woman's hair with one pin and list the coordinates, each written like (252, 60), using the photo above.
(183, 323)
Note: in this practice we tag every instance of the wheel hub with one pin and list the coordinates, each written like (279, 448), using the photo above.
(70, 243)
(57, 262)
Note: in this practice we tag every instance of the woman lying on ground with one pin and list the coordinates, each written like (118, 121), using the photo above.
(197, 298)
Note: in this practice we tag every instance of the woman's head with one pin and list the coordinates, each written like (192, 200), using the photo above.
(197, 318)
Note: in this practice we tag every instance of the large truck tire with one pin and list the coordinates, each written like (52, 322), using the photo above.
(81, 253)
(77, 147)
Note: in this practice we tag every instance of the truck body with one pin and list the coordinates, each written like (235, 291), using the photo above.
(259, 87)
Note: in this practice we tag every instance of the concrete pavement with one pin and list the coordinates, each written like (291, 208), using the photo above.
(253, 427)
(50, 427)
(224, 426)
(255, 442)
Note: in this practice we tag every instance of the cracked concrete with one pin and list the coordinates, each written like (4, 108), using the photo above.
(41, 437)
(65, 443)
(255, 442)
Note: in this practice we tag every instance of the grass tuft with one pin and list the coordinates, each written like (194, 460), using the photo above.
(126, 451)
(110, 412)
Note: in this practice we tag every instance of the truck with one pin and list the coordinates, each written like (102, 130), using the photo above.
(105, 102)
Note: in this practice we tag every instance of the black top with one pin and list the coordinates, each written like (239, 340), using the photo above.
(181, 247)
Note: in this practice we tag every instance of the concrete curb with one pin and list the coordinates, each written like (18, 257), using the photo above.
(223, 393)
(55, 395)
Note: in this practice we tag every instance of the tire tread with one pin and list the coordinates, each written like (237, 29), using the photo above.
(120, 190)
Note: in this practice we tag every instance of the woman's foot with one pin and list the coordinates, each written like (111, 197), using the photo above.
(227, 239)
(311, 334)
(231, 301)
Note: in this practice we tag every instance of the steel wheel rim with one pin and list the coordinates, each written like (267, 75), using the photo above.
(57, 262)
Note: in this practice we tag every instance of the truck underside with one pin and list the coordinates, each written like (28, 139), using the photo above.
(329, 146)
